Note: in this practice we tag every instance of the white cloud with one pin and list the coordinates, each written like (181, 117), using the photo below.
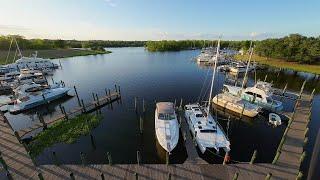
(111, 3)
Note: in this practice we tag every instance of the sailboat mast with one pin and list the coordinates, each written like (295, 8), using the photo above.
(213, 75)
(248, 64)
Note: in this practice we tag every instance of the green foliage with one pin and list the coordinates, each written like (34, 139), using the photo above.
(294, 47)
(64, 132)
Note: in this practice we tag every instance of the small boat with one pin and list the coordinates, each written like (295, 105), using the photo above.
(166, 126)
(34, 99)
(236, 104)
(274, 119)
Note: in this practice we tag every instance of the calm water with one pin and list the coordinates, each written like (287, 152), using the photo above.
(162, 77)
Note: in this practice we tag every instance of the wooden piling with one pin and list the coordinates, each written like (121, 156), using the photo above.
(109, 158)
(40, 176)
(97, 98)
(115, 87)
(65, 113)
(169, 176)
(75, 90)
(268, 177)
(44, 124)
(180, 107)
(138, 157)
(175, 103)
(83, 106)
(143, 106)
(102, 176)
(94, 97)
(254, 155)
(136, 175)
(141, 125)
(135, 104)
(83, 158)
(55, 158)
(72, 176)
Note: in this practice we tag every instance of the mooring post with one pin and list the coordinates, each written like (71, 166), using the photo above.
(55, 158)
(109, 158)
(254, 155)
(40, 176)
(83, 158)
(109, 94)
(72, 176)
(92, 140)
(119, 92)
(235, 176)
(65, 113)
(180, 107)
(167, 159)
(94, 98)
(75, 90)
(42, 121)
(97, 100)
(175, 103)
(83, 106)
(135, 103)
(60, 63)
(268, 177)
(136, 175)
(115, 87)
(138, 157)
(143, 106)
(141, 125)
(102, 176)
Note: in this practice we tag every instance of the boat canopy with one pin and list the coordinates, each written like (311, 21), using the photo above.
(165, 108)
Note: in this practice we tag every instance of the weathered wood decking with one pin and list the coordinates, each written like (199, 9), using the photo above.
(20, 165)
(97, 103)
(18, 161)
(291, 149)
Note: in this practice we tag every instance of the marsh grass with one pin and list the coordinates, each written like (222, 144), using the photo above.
(64, 132)
(51, 54)
(280, 63)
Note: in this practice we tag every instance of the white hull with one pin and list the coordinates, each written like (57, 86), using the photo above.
(235, 104)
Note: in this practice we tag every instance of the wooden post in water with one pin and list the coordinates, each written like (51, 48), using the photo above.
(143, 106)
(42, 121)
(55, 158)
(119, 92)
(135, 104)
(109, 158)
(169, 176)
(97, 100)
(115, 87)
(40, 176)
(136, 175)
(138, 157)
(141, 125)
(109, 94)
(65, 113)
(75, 90)
(83, 106)
(83, 158)
(180, 107)
(254, 155)
(175, 103)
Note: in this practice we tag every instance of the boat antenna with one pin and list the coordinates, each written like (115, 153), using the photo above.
(248, 64)
(213, 75)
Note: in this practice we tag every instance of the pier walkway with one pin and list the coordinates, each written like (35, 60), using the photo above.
(193, 157)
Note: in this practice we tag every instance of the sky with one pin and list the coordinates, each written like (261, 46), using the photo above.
(159, 19)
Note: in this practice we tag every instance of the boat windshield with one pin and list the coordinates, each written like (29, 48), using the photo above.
(169, 116)
(208, 130)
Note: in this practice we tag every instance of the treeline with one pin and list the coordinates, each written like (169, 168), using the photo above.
(42, 44)
(172, 45)
(294, 47)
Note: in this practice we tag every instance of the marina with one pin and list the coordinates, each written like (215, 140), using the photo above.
(124, 161)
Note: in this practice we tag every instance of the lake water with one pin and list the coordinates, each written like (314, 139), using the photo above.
(162, 77)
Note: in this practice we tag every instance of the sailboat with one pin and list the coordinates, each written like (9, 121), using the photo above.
(235, 103)
(166, 126)
(207, 132)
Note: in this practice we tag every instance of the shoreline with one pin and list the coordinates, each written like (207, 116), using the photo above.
(51, 54)
(279, 63)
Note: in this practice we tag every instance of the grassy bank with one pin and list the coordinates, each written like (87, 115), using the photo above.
(64, 132)
(51, 53)
(280, 63)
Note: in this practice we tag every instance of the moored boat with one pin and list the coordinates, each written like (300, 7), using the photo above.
(166, 126)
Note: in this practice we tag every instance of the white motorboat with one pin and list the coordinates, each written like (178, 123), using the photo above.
(30, 100)
(235, 104)
(205, 129)
(261, 94)
(274, 119)
(166, 126)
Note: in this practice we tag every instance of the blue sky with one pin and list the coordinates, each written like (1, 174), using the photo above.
(159, 19)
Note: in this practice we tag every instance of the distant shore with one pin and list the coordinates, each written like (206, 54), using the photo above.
(51, 54)
(280, 63)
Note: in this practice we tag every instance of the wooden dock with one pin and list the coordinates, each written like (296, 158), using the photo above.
(290, 152)
(97, 103)
(17, 161)
(193, 157)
